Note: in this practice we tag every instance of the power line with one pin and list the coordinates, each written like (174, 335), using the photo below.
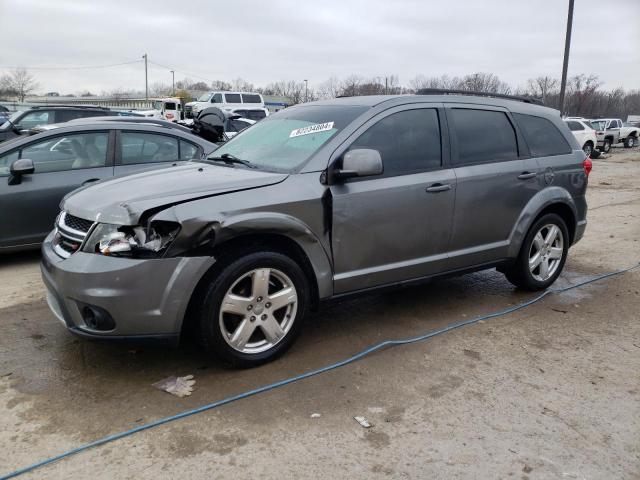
(179, 71)
(84, 67)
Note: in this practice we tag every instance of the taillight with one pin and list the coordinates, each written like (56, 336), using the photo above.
(587, 164)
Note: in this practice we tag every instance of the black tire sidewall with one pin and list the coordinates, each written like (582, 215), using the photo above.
(606, 146)
(211, 336)
(525, 277)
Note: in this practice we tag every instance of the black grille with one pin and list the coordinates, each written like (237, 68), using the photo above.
(77, 223)
(188, 111)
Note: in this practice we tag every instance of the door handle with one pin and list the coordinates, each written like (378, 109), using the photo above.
(438, 187)
(91, 180)
(527, 175)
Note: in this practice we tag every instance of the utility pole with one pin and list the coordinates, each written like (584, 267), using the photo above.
(173, 83)
(146, 78)
(386, 85)
(565, 64)
(306, 90)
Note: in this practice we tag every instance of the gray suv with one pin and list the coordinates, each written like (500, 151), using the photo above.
(316, 202)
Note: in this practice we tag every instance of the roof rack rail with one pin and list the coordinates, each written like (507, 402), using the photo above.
(447, 91)
(71, 105)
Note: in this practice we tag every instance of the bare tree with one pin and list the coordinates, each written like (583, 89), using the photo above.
(330, 88)
(543, 87)
(221, 85)
(159, 89)
(22, 83)
(240, 85)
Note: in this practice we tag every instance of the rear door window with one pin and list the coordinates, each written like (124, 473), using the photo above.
(232, 97)
(575, 126)
(542, 136)
(139, 147)
(408, 141)
(483, 136)
(250, 98)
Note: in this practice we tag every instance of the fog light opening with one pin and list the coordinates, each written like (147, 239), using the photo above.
(97, 318)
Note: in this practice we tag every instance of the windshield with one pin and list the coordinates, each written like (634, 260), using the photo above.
(598, 125)
(204, 98)
(10, 120)
(284, 141)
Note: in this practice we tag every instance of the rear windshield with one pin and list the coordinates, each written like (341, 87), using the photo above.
(285, 141)
(599, 125)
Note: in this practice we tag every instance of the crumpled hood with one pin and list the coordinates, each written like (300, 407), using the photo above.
(122, 200)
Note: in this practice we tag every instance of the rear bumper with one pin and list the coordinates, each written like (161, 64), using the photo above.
(581, 226)
(147, 299)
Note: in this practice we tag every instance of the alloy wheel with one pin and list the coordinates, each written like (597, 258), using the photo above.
(545, 254)
(258, 310)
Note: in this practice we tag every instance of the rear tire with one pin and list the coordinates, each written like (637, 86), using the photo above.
(542, 255)
(242, 319)
(629, 142)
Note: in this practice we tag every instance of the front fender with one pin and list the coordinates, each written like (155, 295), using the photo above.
(543, 199)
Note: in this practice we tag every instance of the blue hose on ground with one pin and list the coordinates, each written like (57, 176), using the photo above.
(272, 386)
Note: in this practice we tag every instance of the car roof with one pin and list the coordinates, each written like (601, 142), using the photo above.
(392, 100)
(69, 127)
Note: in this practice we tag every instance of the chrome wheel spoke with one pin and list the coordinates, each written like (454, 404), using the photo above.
(272, 330)
(555, 253)
(260, 283)
(538, 241)
(544, 269)
(551, 235)
(242, 334)
(235, 304)
(284, 297)
(535, 261)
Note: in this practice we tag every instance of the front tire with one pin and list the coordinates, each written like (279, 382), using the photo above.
(629, 142)
(606, 146)
(542, 255)
(587, 148)
(254, 308)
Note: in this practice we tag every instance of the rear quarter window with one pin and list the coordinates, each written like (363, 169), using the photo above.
(542, 136)
(250, 98)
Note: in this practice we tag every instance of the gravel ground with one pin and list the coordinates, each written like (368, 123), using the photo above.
(552, 391)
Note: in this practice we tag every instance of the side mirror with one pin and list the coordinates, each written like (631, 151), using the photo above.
(362, 162)
(22, 166)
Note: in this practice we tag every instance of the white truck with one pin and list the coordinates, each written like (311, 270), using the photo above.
(169, 109)
(247, 104)
(611, 131)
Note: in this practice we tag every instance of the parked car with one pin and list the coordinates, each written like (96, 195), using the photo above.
(21, 122)
(322, 200)
(255, 114)
(217, 125)
(37, 171)
(4, 114)
(611, 131)
(224, 101)
(585, 135)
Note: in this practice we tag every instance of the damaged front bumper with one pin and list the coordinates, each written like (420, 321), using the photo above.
(112, 298)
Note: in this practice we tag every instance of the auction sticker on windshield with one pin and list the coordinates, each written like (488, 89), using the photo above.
(318, 127)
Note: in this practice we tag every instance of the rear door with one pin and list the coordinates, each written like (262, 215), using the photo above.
(142, 150)
(62, 163)
(395, 226)
(495, 180)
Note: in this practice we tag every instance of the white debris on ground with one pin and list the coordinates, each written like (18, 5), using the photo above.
(315, 415)
(178, 386)
(363, 422)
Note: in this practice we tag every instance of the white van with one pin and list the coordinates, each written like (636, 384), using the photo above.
(229, 101)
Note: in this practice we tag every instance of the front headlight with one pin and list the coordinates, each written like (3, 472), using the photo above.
(126, 241)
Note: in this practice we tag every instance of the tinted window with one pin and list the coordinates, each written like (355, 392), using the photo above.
(250, 98)
(253, 114)
(138, 147)
(188, 151)
(217, 98)
(408, 141)
(237, 125)
(68, 152)
(575, 126)
(170, 106)
(6, 160)
(35, 118)
(232, 97)
(542, 136)
(483, 136)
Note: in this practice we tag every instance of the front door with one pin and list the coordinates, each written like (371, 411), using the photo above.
(395, 226)
(62, 164)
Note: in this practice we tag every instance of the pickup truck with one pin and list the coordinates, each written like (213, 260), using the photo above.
(611, 131)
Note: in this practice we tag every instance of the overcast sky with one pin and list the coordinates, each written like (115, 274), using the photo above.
(264, 41)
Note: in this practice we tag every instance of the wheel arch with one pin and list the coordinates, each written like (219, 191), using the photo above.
(551, 200)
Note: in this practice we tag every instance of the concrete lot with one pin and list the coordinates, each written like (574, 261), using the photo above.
(552, 391)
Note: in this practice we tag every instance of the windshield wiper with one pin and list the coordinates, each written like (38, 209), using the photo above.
(228, 158)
